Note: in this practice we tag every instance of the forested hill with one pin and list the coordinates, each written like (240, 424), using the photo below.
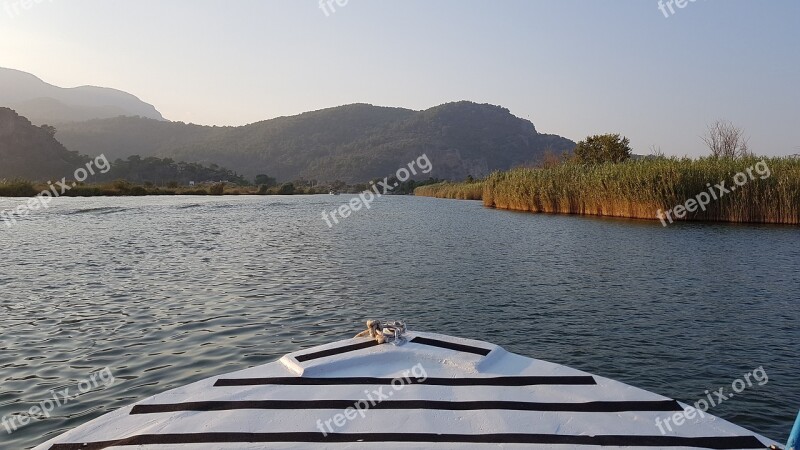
(352, 143)
(31, 152)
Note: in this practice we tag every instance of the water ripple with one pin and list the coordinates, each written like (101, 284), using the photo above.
(169, 290)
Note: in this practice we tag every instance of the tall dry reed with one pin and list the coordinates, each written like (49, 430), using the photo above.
(638, 189)
(457, 191)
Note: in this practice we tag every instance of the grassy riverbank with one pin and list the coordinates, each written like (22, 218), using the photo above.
(639, 189)
(124, 188)
(21, 188)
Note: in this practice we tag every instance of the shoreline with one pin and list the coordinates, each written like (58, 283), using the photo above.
(26, 189)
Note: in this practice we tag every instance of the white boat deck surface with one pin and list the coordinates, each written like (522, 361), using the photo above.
(434, 391)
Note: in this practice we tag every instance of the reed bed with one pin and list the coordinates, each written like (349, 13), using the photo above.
(640, 188)
(456, 191)
(17, 188)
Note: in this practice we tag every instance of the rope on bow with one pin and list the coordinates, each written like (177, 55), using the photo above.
(391, 332)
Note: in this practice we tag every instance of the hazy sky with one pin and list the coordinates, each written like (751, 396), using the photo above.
(573, 67)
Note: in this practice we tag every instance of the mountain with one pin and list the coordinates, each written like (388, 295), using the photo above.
(352, 143)
(44, 103)
(31, 152)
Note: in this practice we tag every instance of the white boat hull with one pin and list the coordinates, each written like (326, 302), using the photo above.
(354, 394)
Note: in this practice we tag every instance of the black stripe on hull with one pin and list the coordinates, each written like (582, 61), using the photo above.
(591, 407)
(336, 351)
(494, 381)
(722, 443)
(451, 346)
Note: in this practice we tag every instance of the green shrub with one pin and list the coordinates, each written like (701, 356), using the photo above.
(603, 148)
(138, 191)
(286, 189)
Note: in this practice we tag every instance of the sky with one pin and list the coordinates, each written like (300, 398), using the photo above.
(572, 67)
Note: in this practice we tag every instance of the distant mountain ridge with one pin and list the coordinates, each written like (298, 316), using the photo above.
(43, 103)
(352, 143)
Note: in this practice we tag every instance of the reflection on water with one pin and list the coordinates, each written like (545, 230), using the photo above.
(166, 291)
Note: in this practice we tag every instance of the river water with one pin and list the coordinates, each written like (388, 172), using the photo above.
(164, 291)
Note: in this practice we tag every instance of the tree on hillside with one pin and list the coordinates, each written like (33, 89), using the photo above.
(51, 130)
(602, 148)
(266, 180)
(338, 185)
(725, 140)
(286, 189)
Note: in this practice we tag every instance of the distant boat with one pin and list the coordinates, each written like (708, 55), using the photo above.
(334, 192)
(425, 391)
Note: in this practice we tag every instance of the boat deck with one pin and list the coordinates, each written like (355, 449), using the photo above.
(435, 391)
